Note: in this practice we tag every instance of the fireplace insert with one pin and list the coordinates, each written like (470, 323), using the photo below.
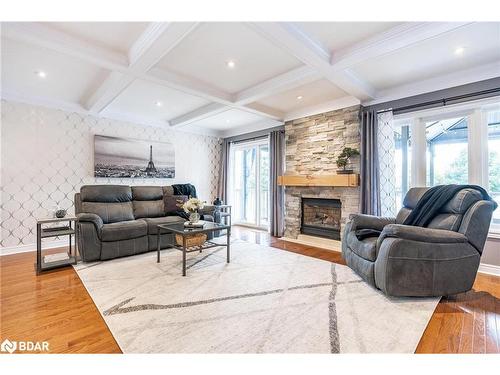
(321, 217)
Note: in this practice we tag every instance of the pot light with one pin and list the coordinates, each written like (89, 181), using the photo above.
(230, 64)
(299, 97)
(159, 104)
(41, 74)
(459, 51)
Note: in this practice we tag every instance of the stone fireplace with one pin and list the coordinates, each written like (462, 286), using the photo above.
(312, 146)
(321, 217)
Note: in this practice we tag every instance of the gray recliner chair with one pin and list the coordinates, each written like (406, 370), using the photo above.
(438, 260)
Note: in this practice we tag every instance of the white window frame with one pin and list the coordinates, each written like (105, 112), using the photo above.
(240, 146)
(476, 113)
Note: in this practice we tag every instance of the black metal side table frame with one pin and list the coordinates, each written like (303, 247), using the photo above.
(179, 229)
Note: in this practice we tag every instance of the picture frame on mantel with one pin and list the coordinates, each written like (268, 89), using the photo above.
(116, 157)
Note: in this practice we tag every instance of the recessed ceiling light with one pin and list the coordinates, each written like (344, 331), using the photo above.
(228, 121)
(459, 51)
(41, 74)
(299, 97)
(159, 104)
(230, 64)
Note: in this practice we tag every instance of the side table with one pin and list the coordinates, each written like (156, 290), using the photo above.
(59, 231)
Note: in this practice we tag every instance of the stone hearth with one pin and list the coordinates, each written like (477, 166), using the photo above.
(312, 146)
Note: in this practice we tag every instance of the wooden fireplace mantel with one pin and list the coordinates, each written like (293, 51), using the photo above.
(341, 180)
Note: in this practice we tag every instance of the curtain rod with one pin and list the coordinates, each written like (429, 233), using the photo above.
(440, 102)
(256, 137)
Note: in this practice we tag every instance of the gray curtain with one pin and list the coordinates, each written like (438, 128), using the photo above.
(224, 171)
(370, 191)
(277, 165)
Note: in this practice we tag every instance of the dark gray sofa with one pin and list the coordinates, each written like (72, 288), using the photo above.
(117, 220)
(438, 260)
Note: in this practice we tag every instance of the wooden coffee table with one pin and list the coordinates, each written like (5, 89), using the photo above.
(179, 228)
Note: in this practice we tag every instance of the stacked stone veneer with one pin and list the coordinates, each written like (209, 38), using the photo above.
(312, 146)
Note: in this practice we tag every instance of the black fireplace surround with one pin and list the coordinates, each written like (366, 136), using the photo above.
(321, 217)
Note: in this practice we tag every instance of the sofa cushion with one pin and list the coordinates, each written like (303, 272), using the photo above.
(171, 203)
(366, 249)
(124, 230)
(154, 222)
(148, 209)
(105, 193)
(110, 212)
(147, 193)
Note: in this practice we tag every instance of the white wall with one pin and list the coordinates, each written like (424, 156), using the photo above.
(47, 154)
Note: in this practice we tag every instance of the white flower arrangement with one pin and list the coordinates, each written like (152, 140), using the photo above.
(193, 205)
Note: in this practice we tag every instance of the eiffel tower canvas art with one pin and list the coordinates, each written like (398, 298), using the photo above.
(116, 157)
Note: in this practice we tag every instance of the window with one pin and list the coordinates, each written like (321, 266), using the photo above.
(493, 120)
(447, 144)
(450, 145)
(249, 183)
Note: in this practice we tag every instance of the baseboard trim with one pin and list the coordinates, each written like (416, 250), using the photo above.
(9, 250)
(489, 269)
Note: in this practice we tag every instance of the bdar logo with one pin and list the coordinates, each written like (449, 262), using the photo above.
(8, 346)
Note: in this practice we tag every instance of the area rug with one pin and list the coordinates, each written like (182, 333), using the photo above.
(265, 301)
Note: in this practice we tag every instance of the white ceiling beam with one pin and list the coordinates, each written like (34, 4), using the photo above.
(286, 81)
(458, 78)
(394, 39)
(261, 109)
(101, 96)
(47, 37)
(289, 37)
(201, 113)
(156, 41)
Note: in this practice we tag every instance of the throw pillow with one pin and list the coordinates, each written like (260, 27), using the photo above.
(173, 202)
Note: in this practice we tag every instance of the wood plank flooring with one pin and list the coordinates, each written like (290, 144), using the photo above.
(56, 307)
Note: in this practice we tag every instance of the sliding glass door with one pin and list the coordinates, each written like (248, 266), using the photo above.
(249, 183)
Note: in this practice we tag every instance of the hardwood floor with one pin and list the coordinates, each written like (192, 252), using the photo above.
(56, 307)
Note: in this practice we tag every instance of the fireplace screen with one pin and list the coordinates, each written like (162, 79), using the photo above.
(321, 217)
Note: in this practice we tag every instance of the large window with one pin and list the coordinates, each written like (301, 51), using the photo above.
(451, 145)
(447, 143)
(249, 183)
(493, 119)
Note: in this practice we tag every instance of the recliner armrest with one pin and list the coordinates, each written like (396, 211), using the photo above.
(207, 210)
(409, 232)
(91, 218)
(362, 221)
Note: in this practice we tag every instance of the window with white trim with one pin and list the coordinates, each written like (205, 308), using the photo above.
(454, 144)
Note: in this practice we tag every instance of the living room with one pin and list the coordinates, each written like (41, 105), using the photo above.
(240, 185)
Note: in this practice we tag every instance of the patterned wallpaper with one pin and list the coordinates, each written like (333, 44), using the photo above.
(47, 154)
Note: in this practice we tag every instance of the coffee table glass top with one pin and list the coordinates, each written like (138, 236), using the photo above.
(181, 229)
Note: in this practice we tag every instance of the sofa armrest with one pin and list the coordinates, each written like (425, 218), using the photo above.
(91, 218)
(362, 221)
(409, 232)
(207, 210)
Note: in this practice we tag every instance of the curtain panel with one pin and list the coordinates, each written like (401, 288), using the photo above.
(369, 170)
(387, 165)
(222, 187)
(277, 165)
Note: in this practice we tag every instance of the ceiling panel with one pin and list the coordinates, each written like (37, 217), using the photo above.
(67, 79)
(140, 100)
(232, 118)
(338, 35)
(116, 36)
(312, 93)
(204, 54)
(436, 56)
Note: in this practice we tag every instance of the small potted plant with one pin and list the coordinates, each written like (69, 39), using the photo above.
(343, 159)
(191, 207)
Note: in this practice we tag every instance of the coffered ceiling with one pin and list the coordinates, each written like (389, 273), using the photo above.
(228, 78)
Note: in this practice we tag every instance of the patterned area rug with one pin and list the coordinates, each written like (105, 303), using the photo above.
(265, 301)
